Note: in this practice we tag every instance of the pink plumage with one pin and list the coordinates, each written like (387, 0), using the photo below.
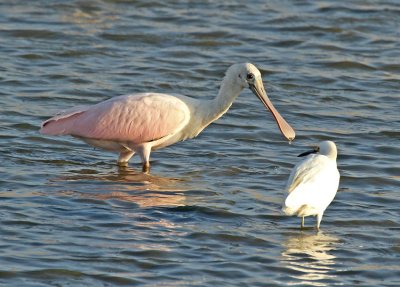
(136, 119)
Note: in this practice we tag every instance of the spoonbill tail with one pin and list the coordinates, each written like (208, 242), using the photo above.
(313, 183)
(144, 122)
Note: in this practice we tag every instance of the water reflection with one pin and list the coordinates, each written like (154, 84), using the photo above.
(146, 190)
(309, 255)
(150, 199)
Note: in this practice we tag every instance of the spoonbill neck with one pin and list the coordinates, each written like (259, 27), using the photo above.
(228, 92)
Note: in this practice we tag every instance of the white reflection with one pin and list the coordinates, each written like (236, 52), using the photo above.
(310, 256)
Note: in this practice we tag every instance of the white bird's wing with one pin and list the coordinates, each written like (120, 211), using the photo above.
(304, 171)
(313, 182)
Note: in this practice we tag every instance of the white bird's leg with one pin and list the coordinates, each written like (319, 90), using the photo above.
(302, 222)
(319, 218)
(124, 157)
(144, 152)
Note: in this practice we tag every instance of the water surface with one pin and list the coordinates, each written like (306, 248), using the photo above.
(209, 212)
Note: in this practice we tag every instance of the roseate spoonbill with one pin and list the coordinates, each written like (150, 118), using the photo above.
(313, 183)
(144, 122)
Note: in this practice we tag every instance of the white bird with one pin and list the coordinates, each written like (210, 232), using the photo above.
(144, 122)
(313, 183)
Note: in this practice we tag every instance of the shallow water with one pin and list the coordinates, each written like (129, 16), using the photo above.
(209, 212)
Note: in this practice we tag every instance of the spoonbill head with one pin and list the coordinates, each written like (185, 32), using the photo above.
(140, 123)
(313, 183)
(255, 83)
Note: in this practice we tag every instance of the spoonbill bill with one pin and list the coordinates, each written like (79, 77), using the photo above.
(143, 122)
(313, 183)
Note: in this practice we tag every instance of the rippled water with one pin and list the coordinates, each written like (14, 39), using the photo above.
(209, 212)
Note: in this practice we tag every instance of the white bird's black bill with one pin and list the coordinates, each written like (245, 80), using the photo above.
(308, 152)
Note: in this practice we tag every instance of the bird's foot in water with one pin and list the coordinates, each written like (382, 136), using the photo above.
(302, 223)
(146, 167)
(122, 163)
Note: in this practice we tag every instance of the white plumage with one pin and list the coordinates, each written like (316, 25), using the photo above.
(313, 183)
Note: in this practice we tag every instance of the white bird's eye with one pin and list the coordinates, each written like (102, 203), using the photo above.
(250, 76)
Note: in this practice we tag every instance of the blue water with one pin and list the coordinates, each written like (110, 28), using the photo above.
(208, 214)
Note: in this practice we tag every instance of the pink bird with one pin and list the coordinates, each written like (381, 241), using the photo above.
(144, 122)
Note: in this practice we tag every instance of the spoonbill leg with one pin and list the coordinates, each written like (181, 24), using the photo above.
(124, 157)
(144, 152)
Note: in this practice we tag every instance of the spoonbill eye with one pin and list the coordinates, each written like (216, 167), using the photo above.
(250, 76)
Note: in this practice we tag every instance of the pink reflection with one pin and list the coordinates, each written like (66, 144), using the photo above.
(146, 190)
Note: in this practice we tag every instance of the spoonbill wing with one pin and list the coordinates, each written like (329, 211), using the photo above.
(136, 118)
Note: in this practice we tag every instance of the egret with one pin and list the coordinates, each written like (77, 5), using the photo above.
(313, 183)
(143, 122)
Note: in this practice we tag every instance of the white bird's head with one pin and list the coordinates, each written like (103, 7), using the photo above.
(327, 148)
(246, 75)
